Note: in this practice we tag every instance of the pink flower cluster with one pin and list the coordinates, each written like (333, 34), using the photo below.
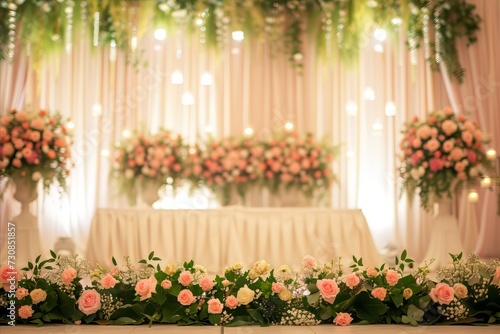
(34, 145)
(150, 158)
(438, 150)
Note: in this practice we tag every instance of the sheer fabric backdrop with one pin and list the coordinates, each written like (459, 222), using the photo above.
(253, 87)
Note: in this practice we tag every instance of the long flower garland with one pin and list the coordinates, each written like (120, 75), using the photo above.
(467, 290)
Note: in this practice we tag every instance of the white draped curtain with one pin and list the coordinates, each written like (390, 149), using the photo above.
(252, 87)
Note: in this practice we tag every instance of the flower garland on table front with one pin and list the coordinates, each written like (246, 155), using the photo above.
(297, 162)
(440, 152)
(35, 146)
(154, 159)
(467, 291)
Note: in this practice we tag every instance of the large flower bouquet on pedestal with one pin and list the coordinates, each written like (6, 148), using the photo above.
(143, 161)
(35, 146)
(440, 152)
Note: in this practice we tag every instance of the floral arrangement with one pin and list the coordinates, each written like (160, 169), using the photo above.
(467, 291)
(35, 146)
(439, 152)
(155, 159)
(340, 26)
(296, 162)
(226, 165)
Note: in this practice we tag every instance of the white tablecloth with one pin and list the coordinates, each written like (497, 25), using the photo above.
(217, 238)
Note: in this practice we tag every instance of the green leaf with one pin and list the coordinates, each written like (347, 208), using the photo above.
(367, 308)
(491, 320)
(38, 258)
(125, 321)
(156, 258)
(313, 299)
(397, 299)
(424, 301)
(257, 316)
(67, 306)
(114, 261)
(30, 265)
(143, 261)
(214, 319)
(403, 255)
(396, 261)
(325, 313)
(128, 314)
(53, 254)
(150, 257)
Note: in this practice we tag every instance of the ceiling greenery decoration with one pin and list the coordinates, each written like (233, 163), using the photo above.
(340, 27)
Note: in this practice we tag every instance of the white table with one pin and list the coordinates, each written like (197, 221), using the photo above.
(217, 238)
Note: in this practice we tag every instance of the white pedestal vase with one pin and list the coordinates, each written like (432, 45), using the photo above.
(444, 237)
(26, 224)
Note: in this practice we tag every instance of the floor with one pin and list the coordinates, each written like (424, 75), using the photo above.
(323, 329)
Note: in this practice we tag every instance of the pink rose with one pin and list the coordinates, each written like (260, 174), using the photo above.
(342, 319)
(47, 135)
(21, 293)
(68, 275)
(459, 167)
(166, 284)
(392, 277)
(206, 284)
(471, 156)
(478, 135)
(295, 168)
(467, 137)
(415, 158)
(185, 297)
(25, 311)
(424, 131)
(145, 287)
(416, 143)
(309, 262)
(215, 306)
(17, 163)
(352, 280)
(8, 149)
(448, 145)
(496, 277)
(185, 278)
(328, 289)
(89, 302)
(21, 116)
(108, 281)
(379, 293)
(442, 293)
(115, 271)
(6, 273)
(436, 164)
(370, 272)
(277, 287)
(232, 302)
(5, 120)
(449, 127)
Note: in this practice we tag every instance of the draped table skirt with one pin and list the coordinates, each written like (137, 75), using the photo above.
(218, 238)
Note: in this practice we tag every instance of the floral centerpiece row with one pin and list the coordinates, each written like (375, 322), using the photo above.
(439, 153)
(466, 291)
(228, 165)
(35, 146)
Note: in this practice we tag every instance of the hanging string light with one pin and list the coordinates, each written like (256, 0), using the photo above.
(12, 30)
(83, 17)
(437, 32)
(427, 52)
(96, 29)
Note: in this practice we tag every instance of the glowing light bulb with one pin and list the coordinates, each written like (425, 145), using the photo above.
(70, 125)
(160, 34)
(126, 133)
(390, 109)
(177, 78)
(473, 196)
(206, 79)
(187, 99)
(491, 154)
(105, 153)
(486, 182)
(289, 126)
(369, 94)
(96, 110)
(378, 48)
(248, 131)
(209, 129)
(351, 108)
(238, 35)
(380, 34)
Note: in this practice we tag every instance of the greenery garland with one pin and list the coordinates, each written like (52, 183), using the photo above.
(340, 25)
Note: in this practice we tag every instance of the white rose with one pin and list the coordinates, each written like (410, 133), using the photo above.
(268, 154)
(245, 295)
(19, 155)
(285, 295)
(168, 151)
(473, 172)
(36, 176)
(250, 169)
(244, 154)
(302, 152)
(235, 172)
(298, 56)
(460, 290)
(414, 174)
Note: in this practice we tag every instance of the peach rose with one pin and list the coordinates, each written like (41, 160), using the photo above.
(8, 149)
(285, 295)
(38, 296)
(206, 284)
(392, 277)
(185, 297)
(231, 302)
(371, 272)
(407, 293)
(432, 145)
(448, 145)
(379, 293)
(166, 284)
(21, 293)
(115, 271)
(449, 127)
(215, 306)
(328, 289)
(352, 280)
(89, 302)
(108, 281)
(496, 277)
(37, 124)
(424, 131)
(342, 319)
(277, 287)
(185, 278)
(25, 311)
(456, 154)
(309, 262)
(245, 295)
(68, 275)
(145, 287)
(442, 293)
(21, 116)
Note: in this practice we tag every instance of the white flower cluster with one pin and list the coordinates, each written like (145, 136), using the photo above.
(4, 301)
(465, 271)
(479, 291)
(109, 304)
(64, 262)
(298, 317)
(226, 318)
(454, 311)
